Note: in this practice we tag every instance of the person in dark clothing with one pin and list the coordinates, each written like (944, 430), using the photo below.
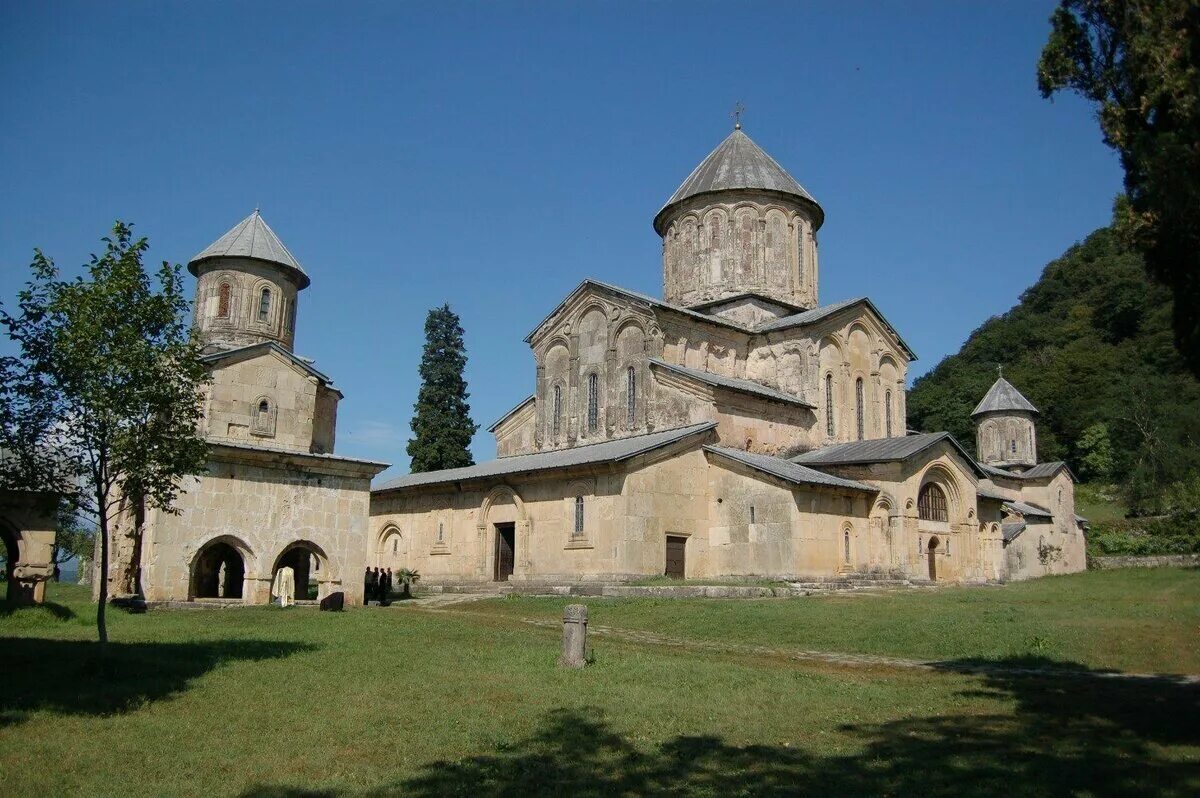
(372, 584)
(389, 582)
(384, 588)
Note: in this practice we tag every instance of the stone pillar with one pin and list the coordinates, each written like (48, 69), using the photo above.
(574, 642)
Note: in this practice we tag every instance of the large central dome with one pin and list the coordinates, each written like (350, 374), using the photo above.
(737, 163)
(740, 227)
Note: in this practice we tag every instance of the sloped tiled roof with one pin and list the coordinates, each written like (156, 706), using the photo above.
(1011, 530)
(605, 452)
(736, 163)
(1028, 510)
(253, 238)
(882, 450)
(511, 410)
(787, 470)
(268, 346)
(1003, 397)
(817, 314)
(732, 383)
(1043, 470)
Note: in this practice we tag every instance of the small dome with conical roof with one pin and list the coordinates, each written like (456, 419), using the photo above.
(1003, 397)
(253, 238)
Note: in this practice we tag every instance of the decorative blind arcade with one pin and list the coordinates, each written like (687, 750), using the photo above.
(931, 504)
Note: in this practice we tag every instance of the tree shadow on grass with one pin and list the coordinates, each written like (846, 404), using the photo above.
(1067, 735)
(73, 677)
(59, 611)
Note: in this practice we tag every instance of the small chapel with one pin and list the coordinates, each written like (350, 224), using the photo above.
(736, 427)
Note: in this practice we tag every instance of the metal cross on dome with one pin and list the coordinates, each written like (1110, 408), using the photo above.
(738, 110)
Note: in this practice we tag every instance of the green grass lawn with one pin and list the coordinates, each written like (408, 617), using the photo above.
(1141, 620)
(414, 702)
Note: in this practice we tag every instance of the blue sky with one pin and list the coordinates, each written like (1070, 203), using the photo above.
(494, 155)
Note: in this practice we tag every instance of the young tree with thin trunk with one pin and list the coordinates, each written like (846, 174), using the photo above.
(441, 424)
(102, 402)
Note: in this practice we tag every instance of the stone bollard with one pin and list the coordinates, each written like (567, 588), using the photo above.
(574, 642)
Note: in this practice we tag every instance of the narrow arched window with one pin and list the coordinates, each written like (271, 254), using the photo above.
(578, 516)
(441, 532)
(858, 408)
(887, 412)
(829, 405)
(264, 407)
(630, 396)
(263, 422)
(846, 545)
(556, 423)
(223, 294)
(593, 397)
(395, 545)
(1012, 446)
(1031, 441)
(931, 504)
(752, 513)
(264, 304)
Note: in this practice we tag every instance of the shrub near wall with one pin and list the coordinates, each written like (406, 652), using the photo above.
(1178, 533)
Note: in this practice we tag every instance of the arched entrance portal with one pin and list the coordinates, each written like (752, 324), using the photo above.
(309, 565)
(932, 555)
(219, 571)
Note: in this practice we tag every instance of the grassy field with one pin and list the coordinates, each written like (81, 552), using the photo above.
(467, 701)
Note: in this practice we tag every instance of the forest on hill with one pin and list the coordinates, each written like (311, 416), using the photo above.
(1090, 345)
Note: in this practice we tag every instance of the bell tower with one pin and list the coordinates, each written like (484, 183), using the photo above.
(246, 289)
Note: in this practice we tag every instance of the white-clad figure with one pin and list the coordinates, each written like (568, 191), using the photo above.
(221, 580)
(284, 587)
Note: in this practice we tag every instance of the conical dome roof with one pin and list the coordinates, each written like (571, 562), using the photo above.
(253, 238)
(1003, 397)
(737, 163)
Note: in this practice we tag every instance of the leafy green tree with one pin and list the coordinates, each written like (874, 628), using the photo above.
(73, 538)
(441, 424)
(1062, 348)
(1139, 61)
(103, 400)
(407, 579)
(1095, 454)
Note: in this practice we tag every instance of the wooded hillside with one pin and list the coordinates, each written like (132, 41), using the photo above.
(1089, 344)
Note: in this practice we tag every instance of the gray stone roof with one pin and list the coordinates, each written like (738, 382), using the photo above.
(1011, 530)
(511, 410)
(732, 383)
(882, 450)
(987, 492)
(268, 346)
(613, 451)
(819, 313)
(737, 163)
(380, 465)
(1028, 510)
(1003, 397)
(788, 471)
(1039, 471)
(253, 238)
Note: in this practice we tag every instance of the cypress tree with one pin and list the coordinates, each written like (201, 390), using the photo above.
(441, 423)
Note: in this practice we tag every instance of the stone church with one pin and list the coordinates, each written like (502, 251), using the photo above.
(274, 492)
(734, 428)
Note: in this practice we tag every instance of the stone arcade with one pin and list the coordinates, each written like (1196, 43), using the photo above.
(274, 494)
(739, 428)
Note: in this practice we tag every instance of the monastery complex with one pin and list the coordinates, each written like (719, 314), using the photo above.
(735, 427)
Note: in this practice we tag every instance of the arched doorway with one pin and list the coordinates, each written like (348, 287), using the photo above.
(12, 554)
(309, 565)
(931, 553)
(219, 571)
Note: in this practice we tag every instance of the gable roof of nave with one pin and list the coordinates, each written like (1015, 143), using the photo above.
(268, 348)
(886, 450)
(732, 383)
(789, 471)
(811, 317)
(797, 320)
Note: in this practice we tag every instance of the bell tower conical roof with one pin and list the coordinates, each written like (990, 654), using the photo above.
(253, 238)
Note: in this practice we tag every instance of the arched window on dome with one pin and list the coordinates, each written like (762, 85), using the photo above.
(931, 504)
(223, 294)
(264, 305)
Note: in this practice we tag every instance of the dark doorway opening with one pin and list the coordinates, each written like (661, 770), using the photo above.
(675, 552)
(11, 555)
(305, 563)
(932, 553)
(219, 572)
(506, 550)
